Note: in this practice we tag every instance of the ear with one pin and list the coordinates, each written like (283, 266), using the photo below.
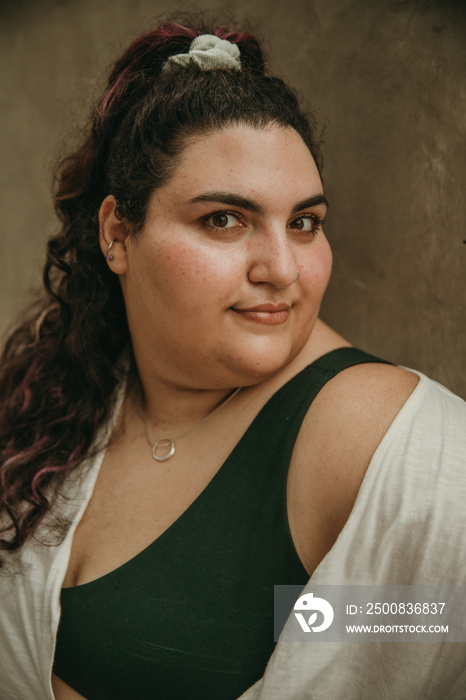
(113, 232)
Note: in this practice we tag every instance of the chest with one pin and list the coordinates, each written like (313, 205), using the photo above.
(281, 473)
(137, 501)
(281, 498)
(188, 595)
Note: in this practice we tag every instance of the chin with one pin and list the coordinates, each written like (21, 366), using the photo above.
(264, 365)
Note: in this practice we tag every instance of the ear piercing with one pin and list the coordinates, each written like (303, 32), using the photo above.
(110, 257)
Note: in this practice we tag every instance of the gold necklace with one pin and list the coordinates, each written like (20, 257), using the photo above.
(169, 443)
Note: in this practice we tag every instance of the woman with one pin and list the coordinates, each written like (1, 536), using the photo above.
(180, 331)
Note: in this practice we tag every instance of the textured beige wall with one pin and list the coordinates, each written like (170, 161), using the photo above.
(388, 79)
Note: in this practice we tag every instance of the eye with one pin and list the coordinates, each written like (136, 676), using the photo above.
(221, 219)
(308, 223)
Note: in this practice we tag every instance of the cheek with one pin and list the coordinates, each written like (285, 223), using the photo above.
(316, 271)
(191, 274)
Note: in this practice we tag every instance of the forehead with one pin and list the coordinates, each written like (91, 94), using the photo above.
(246, 160)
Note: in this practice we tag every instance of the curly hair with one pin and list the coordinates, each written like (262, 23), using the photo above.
(59, 367)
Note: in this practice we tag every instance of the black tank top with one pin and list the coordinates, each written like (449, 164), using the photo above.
(191, 616)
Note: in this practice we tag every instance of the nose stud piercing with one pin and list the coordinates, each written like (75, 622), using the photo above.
(110, 257)
(297, 277)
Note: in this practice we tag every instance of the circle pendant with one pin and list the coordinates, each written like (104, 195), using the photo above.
(164, 442)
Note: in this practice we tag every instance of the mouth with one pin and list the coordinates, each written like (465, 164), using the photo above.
(266, 314)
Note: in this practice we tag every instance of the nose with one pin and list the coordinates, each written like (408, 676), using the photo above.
(272, 260)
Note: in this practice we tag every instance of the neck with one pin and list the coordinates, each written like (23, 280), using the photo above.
(164, 406)
(168, 406)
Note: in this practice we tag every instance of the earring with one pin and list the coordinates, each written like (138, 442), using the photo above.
(106, 254)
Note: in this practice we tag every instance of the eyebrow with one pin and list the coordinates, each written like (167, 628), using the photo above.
(237, 200)
(310, 202)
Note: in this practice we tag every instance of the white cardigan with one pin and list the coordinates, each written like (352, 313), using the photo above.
(407, 527)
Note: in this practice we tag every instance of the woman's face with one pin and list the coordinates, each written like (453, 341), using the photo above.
(210, 282)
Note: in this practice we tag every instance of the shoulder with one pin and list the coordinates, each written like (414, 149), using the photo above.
(370, 404)
(363, 397)
(367, 401)
(358, 405)
(410, 429)
(339, 435)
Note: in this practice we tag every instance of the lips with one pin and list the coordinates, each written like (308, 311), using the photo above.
(266, 314)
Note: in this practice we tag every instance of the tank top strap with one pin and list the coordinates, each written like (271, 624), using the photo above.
(272, 435)
(337, 360)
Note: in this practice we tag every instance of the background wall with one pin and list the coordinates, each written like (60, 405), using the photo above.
(387, 77)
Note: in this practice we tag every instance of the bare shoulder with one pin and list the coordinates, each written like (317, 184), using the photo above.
(342, 430)
(355, 409)
(373, 391)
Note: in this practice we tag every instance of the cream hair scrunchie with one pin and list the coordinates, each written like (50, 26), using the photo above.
(210, 53)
